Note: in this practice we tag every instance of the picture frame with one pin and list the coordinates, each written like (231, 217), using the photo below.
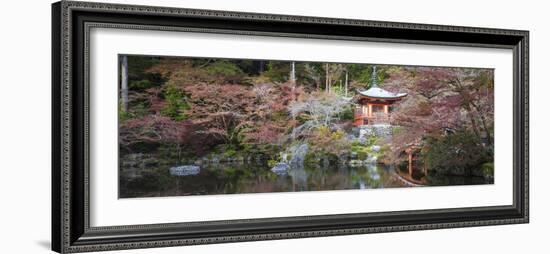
(71, 228)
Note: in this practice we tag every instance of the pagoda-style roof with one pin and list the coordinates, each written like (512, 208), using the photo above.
(375, 92)
(379, 93)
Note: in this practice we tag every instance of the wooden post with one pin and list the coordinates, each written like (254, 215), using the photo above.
(386, 113)
(410, 162)
(369, 110)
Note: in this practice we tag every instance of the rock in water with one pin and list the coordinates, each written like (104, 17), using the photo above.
(280, 168)
(185, 170)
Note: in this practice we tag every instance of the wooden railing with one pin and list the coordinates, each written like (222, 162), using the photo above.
(374, 118)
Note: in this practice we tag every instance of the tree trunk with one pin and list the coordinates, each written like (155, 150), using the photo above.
(472, 120)
(484, 124)
(293, 79)
(293, 72)
(261, 66)
(346, 85)
(124, 83)
(326, 78)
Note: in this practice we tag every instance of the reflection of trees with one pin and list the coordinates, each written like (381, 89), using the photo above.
(299, 178)
(231, 178)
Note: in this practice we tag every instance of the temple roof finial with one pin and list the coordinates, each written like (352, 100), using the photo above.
(375, 92)
(374, 78)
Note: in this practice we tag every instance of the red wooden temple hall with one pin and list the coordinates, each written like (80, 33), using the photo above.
(374, 106)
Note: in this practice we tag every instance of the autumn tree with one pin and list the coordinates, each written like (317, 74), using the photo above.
(241, 114)
(475, 88)
(316, 110)
(440, 101)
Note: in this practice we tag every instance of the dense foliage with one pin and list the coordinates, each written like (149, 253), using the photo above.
(188, 108)
(456, 153)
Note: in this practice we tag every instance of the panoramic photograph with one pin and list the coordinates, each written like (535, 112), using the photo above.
(210, 126)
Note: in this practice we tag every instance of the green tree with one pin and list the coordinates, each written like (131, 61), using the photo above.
(457, 152)
(139, 76)
(361, 74)
(277, 71)
(176, 103)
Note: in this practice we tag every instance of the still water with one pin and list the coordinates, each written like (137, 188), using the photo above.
(233, 178)
(144, 179)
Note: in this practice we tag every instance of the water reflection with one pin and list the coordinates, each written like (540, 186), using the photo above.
(231, 178)
(166, 179)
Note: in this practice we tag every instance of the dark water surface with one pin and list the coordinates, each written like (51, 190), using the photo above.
(233, 178)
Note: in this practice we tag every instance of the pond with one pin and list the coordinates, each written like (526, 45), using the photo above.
(234, 178)
(143, 179)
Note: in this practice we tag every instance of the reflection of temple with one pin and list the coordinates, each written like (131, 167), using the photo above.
(375, 104)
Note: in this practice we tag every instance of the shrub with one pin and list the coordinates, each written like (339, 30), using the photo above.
(230, 152)
(488, 169)
(362, 155)
(223, 67)
(271, 163)
(141, 84)
(175, 103)
(347, 114)
(456, 154)
(225, 70)
(123, 115)
(277, 71)
(326, 141)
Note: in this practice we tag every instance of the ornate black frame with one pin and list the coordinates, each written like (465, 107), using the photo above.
(71, 22)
